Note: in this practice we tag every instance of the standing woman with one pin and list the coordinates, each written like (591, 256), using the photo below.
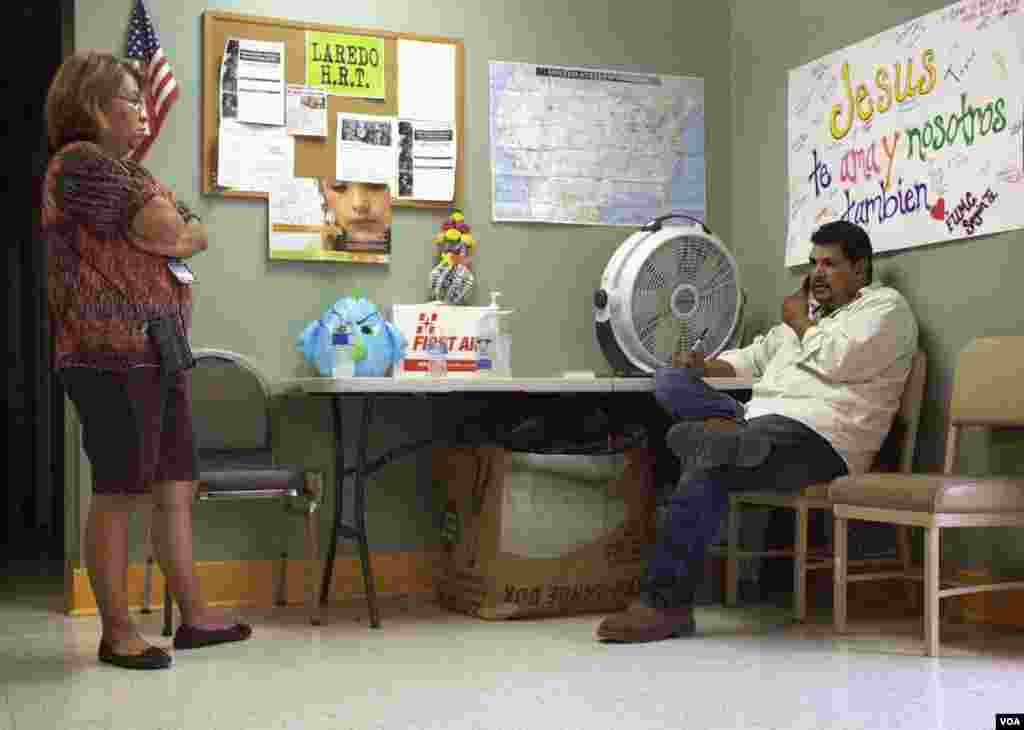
(116, 237)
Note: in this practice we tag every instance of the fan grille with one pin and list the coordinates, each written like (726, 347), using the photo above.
(685, 285)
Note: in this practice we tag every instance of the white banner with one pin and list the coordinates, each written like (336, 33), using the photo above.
(914, 134)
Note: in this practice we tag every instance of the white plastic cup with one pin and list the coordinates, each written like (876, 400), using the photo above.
(438, 355)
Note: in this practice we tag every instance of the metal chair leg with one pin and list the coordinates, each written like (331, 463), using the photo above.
(281, 577)
(314, 493)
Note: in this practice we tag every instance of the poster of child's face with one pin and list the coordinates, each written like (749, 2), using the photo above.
(357, 215)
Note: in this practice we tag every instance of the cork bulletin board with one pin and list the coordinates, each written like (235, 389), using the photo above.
(314, 157)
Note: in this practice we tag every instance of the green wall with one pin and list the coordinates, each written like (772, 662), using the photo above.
(958, 290)
(547, 272)
(743, 49)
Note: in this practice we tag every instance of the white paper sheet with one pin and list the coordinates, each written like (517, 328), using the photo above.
(426, 160)
(251, 157)
(307, 111)
(254, 72)
(366, 148)
(426, 85)
(294, 218)
(295, 201)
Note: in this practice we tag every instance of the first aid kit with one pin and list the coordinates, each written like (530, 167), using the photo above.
(436, 330)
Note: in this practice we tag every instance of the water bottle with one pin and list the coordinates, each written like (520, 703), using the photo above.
(437, 349)
(344, 364)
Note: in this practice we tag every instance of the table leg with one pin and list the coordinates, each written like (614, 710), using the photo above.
(360, 512)
(339, 502)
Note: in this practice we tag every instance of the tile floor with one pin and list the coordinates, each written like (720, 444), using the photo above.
(748, 668)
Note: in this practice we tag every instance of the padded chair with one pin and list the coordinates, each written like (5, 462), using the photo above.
(897, 453)
(988, 391)
(231, 417)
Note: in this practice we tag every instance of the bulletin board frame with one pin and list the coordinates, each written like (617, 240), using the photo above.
(218, 26)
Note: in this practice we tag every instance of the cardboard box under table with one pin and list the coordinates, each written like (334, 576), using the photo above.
(542, 534)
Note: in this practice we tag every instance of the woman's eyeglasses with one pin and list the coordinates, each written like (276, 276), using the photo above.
(136, 101)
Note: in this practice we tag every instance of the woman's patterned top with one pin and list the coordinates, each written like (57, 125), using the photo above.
(89, 202)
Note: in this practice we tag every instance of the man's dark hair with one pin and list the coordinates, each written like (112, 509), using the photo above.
(851, 238)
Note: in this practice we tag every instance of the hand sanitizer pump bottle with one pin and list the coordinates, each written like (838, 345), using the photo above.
(487, 338)
(495, 328)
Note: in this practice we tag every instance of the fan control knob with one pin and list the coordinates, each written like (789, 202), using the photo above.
(600, 299)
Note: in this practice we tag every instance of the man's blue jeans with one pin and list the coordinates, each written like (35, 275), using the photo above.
(690, 515)
(686, 397)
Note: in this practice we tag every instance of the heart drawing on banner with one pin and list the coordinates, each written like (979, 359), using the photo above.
(939, 210)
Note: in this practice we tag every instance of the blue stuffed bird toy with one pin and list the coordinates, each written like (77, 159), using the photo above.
(378, 344)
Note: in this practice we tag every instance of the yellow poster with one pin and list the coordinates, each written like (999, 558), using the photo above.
(345, 65)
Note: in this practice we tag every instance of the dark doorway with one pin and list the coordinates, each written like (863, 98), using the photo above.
(35, 402)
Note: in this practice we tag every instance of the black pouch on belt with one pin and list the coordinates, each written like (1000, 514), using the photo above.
(168, 336)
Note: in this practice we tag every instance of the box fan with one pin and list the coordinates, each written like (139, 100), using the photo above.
(664, 286)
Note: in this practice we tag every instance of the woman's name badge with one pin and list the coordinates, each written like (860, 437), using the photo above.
(181, 271)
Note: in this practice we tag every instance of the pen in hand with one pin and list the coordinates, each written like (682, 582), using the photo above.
(699, 342)
(682, 359)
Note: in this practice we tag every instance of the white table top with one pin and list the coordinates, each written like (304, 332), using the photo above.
(489, 384)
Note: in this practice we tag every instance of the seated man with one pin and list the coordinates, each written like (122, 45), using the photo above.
(830, 377)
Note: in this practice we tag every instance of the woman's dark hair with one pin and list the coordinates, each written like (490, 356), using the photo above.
(85, 84)
(851, 238)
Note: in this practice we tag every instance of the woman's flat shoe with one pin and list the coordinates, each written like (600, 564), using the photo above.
(195, 637)
(151, 658)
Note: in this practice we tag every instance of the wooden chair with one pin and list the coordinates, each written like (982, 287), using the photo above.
(988, 391)
(897, 453)
(232, 421)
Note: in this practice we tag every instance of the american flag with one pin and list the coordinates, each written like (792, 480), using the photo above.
(160, 89)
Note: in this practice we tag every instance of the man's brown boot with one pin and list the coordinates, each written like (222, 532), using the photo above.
(639, 623)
